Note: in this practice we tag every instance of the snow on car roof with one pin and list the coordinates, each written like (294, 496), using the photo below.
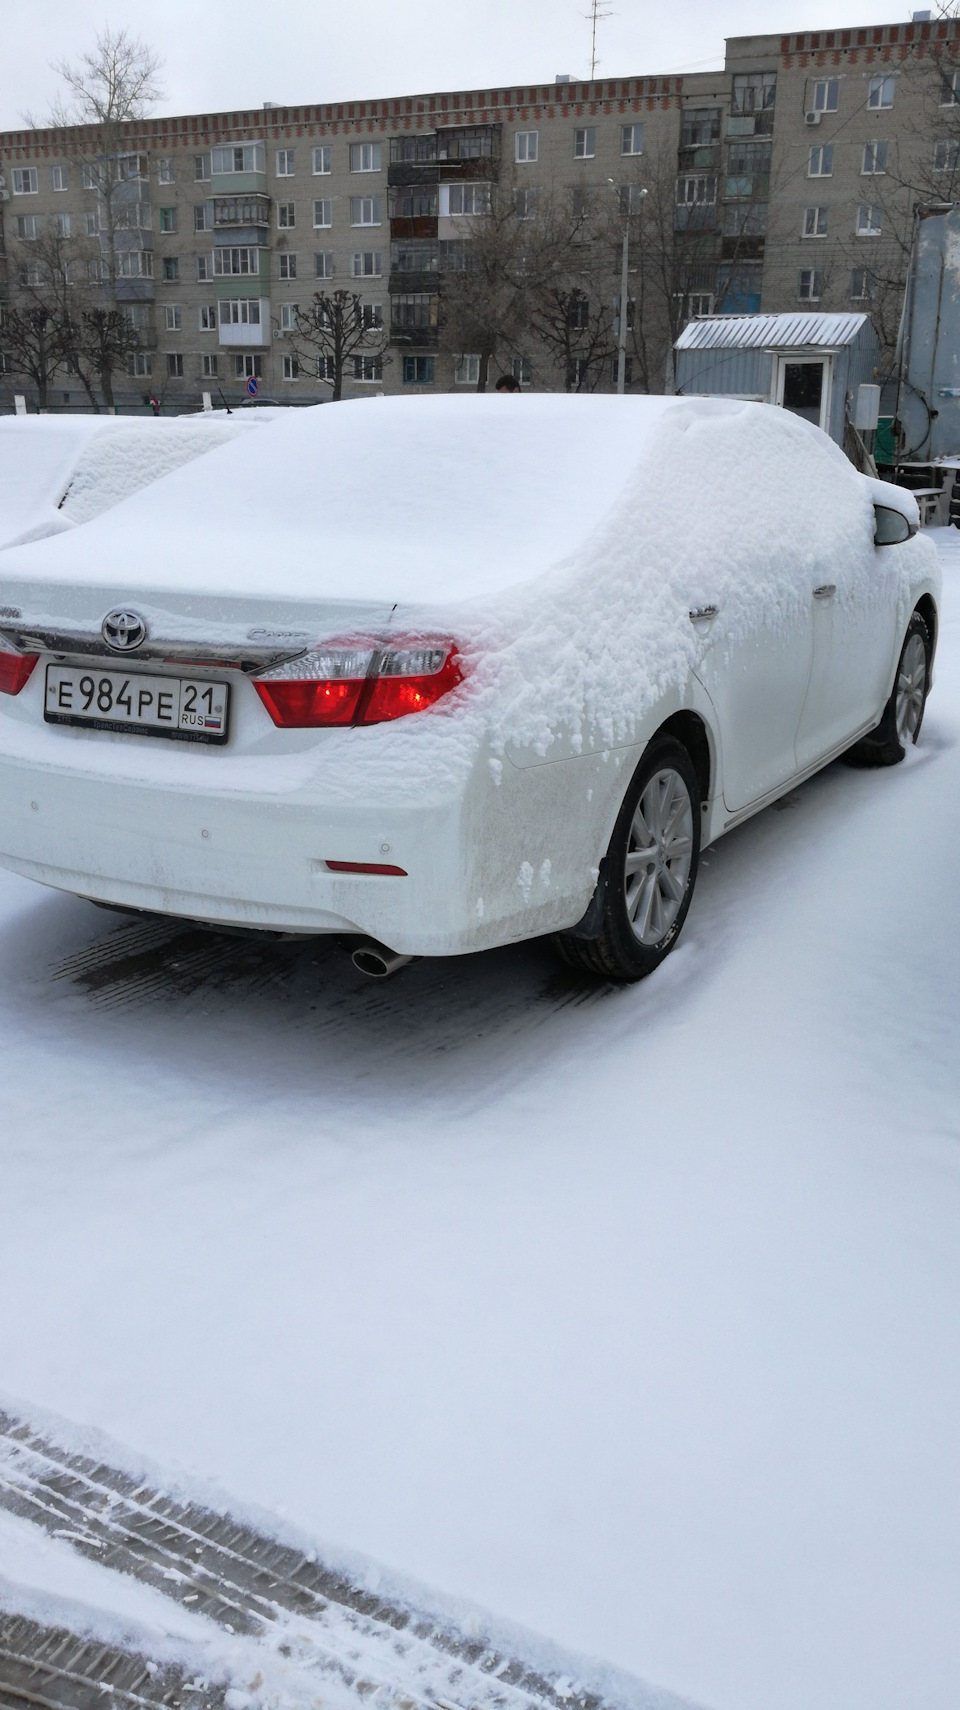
(395, 498)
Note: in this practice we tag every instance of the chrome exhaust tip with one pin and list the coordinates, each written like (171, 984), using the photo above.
(376, 961)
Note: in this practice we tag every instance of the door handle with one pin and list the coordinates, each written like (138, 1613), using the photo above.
(704, 614)
(825, 591)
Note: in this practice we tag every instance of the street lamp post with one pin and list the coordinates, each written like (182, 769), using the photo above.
(624, 286)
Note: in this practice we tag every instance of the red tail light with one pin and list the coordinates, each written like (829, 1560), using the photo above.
(15, 669)
(359, 682)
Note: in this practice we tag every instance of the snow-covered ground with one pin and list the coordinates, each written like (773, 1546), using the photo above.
(632, 1319)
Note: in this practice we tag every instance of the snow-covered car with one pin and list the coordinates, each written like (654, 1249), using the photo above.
(444, 674)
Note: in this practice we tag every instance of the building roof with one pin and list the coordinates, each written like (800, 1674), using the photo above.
(770, 332)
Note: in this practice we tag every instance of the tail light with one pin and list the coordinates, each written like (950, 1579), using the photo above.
(359, 682)
(15, 669)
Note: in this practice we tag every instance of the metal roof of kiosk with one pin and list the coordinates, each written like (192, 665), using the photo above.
(771, 332)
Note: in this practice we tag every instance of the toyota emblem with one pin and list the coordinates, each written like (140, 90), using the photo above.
(123, 630)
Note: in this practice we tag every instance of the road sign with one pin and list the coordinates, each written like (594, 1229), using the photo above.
(253, 385)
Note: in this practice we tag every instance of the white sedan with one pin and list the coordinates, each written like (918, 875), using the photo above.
(443, 674)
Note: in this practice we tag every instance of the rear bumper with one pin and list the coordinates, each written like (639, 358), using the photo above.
(242, 861)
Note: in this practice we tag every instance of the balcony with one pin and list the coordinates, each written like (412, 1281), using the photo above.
(413, 172)
(233, 211)
(703, 157)
(696, 217)
(469, 151)
(403, 227)
(414, 338)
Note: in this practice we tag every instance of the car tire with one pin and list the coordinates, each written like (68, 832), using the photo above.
(903, 713)
(647, 877)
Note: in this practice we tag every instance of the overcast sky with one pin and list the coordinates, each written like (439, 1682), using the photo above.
(239, 53)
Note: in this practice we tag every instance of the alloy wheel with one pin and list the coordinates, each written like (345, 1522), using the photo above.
(659, 856)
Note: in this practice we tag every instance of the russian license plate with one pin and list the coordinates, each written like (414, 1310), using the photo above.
(188, 709)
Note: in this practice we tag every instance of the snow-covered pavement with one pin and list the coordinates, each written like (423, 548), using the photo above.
(633, 1320)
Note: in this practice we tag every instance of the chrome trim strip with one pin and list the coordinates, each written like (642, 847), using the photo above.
(250, 656)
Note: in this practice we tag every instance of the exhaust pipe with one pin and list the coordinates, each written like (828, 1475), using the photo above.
(377, 961)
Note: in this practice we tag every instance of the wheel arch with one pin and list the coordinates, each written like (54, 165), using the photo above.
(689, 729)
(926, 607)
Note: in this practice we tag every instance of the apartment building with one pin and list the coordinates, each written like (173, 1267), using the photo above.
(788, 177)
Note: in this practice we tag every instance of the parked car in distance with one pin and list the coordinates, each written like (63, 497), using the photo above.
(443, 674)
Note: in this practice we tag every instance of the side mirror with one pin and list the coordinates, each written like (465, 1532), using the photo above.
(891, 527)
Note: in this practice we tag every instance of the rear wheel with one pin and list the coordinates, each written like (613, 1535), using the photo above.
(903, 714)
(649, 872)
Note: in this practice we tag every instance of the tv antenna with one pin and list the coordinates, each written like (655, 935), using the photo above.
(599, 11)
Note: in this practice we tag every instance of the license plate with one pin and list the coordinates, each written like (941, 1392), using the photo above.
(189, 709)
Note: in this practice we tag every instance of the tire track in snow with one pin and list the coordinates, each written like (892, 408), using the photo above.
(50, 1668)
(250, 1584)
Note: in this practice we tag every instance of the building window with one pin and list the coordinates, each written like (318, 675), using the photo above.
(204, 268)
(288, 317)
(28, 227)
(62, 225)
(466, 371)
(58, 178)
(814, 222)
(366, 264)
(140, 365)
(208, 367)
(464, 199)
(820, 163)
(207, 315)
(950, 89)
(29, 273)
(248, 367)
(881, 92)
(244, 157)
(134, 264)
(175, 365)
(946, 155)
(92, 222)
(627, 371)
(753, 92)
(290, 368)
(240, 312)
(285, 163)
(862, 284)
(372, 314)
(288, 266)
(97, 270)
(693, 190)
(631, 138)
(526, 145)
(168, 219)
(585, 143)
(25, 181)
(365, 157)
(368, 369)
(365, 211)
(749, 220)
(869, 221)
(88, 178)
(235, 260)
(874, 158)
(321, 160)
(525, 204)
(201, 168)
(419, 370)
(522, 370)
(415, 310)
(286, 214)
(323, 265)
(631, 198)
(699, 303)
(166, 172)
(200, 217)
(810, 285)
(171, 317)
(323, 213)
(826, 95)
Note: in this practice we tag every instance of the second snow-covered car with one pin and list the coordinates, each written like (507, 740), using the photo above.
(443, 674)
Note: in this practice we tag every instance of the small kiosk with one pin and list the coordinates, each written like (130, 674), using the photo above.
(811, 364)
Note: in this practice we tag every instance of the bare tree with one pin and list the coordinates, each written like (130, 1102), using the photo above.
(336, 329)
(116, 80)
(105, 338)
(40, 327)
(575, 323)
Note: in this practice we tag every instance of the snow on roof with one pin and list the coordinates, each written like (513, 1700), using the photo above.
(769, 332)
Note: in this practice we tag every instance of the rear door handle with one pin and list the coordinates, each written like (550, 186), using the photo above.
(825, 591)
